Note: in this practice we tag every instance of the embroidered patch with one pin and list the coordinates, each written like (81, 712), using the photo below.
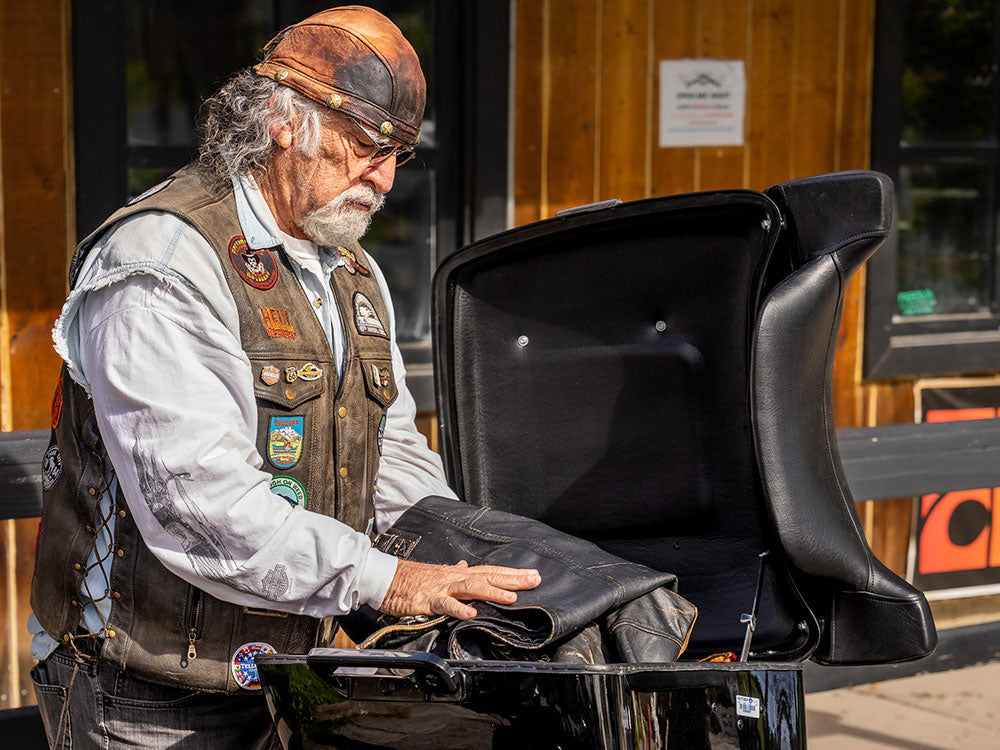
(277, 323)
(243, 666)
(350, 261)
(57, 403)
(309, 371)
(284, 441)
(256, 267)
(381, 434)
(270, 374)
(291, 374)
(366, 319)
(151, 192)
(51, 467)
(291, 489)
(384, 377)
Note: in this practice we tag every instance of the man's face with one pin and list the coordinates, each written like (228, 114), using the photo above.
(332, 196)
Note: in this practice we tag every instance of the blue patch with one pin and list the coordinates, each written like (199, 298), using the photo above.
(284, 440)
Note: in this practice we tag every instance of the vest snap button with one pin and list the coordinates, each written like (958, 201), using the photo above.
(74, 603)
(120, 553)
(109, 633)
(342, 411)
(89, 529)
(77, 566)
(116, 595)
(317, 303)
(343, 472)
(121, 513)
(66, 638)
(289, 394)
(92, 490)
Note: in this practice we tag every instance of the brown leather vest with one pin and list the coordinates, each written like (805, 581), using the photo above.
(320, 433)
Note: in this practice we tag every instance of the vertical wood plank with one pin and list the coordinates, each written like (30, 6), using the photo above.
(892, 519)
(815, 89)
(674, 38)
(528, 112)
(8, 634)
(24, 532)
(723, 25)
(855, 81)
(770, 92)
(623, 76)
(571, 168)
(37, 242)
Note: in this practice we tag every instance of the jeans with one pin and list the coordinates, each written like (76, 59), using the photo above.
(108, 709)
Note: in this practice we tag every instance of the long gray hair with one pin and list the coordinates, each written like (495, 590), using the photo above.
(235, 129)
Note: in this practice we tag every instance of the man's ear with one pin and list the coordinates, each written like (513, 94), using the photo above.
(282, 135)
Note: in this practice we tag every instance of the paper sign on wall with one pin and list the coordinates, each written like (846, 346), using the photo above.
(702, 102)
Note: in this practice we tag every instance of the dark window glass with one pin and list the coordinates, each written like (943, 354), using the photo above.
(943, 259)
(949, 72)
(932, 291)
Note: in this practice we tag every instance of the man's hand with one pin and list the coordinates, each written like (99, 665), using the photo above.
(422, 589)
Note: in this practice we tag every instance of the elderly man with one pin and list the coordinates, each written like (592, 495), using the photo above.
(232, 416)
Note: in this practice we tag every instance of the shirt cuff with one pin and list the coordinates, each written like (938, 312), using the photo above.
(380, 569)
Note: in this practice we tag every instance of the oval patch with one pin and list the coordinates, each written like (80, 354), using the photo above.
(289, 488)
(52, 467)
(243, 666)
(256, 267)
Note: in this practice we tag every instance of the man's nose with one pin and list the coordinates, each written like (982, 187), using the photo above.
(381, 176)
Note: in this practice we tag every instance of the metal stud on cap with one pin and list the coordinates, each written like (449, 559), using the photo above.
(333, 101)
(386, 128)
(281, 75)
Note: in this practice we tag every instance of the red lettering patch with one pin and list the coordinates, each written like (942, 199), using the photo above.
(57, 399)
(277, 323)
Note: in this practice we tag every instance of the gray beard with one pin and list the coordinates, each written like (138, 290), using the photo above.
(338, 225)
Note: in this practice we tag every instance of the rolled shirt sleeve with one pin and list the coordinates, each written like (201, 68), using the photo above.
(173, 394)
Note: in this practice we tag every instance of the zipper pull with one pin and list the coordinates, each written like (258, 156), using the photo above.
(192, 652)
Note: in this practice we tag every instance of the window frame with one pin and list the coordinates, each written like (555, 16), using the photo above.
(927, 344)
(472, 71)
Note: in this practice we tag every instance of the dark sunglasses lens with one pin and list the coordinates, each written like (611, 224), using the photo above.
(382, 153)
(404, 156)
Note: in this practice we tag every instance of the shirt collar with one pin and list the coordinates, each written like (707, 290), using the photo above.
(261, 230)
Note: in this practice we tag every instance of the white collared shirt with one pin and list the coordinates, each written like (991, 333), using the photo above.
(151, 331)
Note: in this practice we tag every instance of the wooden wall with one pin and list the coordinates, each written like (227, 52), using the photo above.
(585, 129)
(36, 231)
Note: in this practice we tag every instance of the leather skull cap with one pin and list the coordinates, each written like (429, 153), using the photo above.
(352, 60)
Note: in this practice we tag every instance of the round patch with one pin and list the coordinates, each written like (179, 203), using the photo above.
(289, 488)
(243, 667)
(51, 467)
(256, 267)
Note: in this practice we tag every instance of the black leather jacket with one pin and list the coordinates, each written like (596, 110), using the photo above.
(590, 606)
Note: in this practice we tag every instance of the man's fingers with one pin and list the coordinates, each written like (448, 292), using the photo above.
(447, 605)
(517, 580)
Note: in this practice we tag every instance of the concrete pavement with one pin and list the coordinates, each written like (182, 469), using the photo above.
(941, 711)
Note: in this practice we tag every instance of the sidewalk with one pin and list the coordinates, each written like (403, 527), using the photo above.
(957, 709)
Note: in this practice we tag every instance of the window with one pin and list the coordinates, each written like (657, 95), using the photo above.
(933, 304)
(149, 64)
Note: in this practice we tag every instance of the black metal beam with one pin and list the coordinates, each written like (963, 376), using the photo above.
(879, 462)
(918, 459)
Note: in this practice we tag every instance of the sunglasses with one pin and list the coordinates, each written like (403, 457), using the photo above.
(381, 152)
